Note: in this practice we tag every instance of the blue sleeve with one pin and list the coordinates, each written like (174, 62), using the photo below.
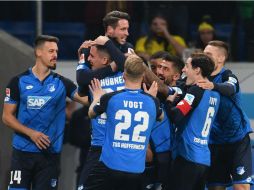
(229, 85)
(84, 74)
(12, 92)
(101, 107)
(70, 87)
(116, 55)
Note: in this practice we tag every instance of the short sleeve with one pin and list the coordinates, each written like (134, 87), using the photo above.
(12, 92)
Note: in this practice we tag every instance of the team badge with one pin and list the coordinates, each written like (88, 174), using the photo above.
(51, 88)
(53, 182)
(240, 170)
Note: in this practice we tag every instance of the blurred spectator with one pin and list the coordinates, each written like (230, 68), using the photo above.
(206, 33)
(159, 38)
(246, 16)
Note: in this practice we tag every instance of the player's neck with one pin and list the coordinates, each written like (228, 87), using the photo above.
(132, 85)
(40, 71)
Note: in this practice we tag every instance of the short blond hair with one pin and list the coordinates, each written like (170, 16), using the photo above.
(134, 67)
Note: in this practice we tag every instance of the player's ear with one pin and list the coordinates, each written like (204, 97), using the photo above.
(110, 31)
(124, 77)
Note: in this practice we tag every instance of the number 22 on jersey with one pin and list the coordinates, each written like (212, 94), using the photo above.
(121, 127)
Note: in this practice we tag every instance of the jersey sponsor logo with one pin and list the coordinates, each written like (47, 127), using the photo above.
(28, 87)
(177, 90)
(240, 170)
(232, 80)
(37, 102)
(189, 98)
(51, 88)
(8, 92)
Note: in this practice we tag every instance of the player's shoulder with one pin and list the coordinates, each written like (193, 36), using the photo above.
(17, 77)
(227, 74)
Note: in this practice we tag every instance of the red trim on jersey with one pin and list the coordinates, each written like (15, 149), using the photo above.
(184, 107)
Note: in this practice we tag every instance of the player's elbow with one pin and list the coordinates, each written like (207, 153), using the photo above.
(91, 114)
(5, 118)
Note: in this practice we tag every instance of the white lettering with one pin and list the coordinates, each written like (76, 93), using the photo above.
(213, 101)
(133, 104)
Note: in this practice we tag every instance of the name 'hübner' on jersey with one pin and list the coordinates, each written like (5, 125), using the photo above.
(112, 81)
(212, 102)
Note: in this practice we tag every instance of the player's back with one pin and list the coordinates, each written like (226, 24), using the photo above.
(131, 114)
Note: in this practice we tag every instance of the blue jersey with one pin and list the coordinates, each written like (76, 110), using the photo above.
(231, 123)
(192, 134)
(161, 135)
(109, 84)
(40, 106)
(131, 114)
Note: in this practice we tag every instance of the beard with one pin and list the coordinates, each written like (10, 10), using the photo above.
(52, 67)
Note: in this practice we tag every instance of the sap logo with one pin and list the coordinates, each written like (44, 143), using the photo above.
(29, 87)
(36, 102)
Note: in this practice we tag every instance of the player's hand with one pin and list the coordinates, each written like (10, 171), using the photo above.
(152, 90)
(40, 139)
(113, 66)
(164, 30)
(85, 45)
(205, 84)
(96, 90)
(101, 40)
(171, 98)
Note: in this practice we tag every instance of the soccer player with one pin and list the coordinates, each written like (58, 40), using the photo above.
(229, 141)
(131, 114)
(116, 25)
(193, 117)
(99, 57)
(35, 108)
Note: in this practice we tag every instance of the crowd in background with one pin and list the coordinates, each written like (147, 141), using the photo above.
(232, 21)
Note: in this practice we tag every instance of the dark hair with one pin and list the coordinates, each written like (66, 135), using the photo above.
(103, 49)
(41, 39)
(222, 45)
(151, 35)
(112, 18)
(204, 62)
(159, 54)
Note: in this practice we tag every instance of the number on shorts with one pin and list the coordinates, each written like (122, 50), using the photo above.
(15, 176)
